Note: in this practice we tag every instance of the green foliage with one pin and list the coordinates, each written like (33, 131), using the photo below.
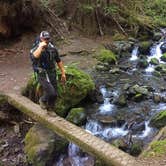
(107, 56)
(156, 10)
(157, 148)
(111, 9)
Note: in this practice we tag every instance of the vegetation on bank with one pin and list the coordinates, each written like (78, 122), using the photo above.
(126, 16)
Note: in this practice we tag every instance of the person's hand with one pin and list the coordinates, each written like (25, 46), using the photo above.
(63, 79)
(43, 45)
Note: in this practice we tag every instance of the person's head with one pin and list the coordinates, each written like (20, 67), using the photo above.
(45, 36)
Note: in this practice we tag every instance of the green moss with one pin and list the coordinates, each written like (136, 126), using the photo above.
(40, 143)
(154, 61)
(107, 56)
(157, 148)
(77, 116)
(77, 86)
(136, 149)
(159, 120)
(163, 57)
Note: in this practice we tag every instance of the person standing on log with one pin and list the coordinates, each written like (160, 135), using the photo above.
(44, 55)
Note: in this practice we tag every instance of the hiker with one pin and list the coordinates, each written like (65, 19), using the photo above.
(44, 55)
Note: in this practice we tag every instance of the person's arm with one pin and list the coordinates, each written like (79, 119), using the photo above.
(39, 49)
(63, 75)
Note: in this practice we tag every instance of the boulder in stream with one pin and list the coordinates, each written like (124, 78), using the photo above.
(42, 145)
(159, 119)
(77, 116)
(144, 47)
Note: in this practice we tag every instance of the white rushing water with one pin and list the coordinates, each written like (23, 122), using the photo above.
(155, 52)
(115, 132)
(147, 131)
(134, 54)
(106, 106)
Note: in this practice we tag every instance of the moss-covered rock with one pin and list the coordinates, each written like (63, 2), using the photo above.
(154, 61)
(142, 63)
(161, 68)
(107, 56)
(77, 86)
(41, 143)
(144, 47)
(121, 100)
(77, 116)
(159, 120)
(163, 57)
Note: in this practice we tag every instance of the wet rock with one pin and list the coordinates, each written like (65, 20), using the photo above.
(95, 96)
(157, 98)
(138, 97)
(137, 128)
(115, 71)
(120, 143)
(107, 119)
(163, 57)
(123, 46)
(157, 36)
(154, 61)
(101, 68)
(163, 47)
(77, 116)
(137, 90)
(121, 100)
(159, 119)
(161, 68)
(157, 73)
(142, 63)
(144, 47)
(41, 144)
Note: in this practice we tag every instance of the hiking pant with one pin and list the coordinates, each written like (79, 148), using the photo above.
(49, 87)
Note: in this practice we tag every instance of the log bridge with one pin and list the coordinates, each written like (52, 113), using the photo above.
(91, 144)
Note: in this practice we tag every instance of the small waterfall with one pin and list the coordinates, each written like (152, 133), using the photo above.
(155, 52)
(147, 130)
(115, 132)
(134, 54)
(93, 127)
(107, 106)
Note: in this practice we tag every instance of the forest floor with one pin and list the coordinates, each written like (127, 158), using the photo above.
(15, 70)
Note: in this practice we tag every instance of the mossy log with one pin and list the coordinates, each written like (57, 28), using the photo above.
(89, 143)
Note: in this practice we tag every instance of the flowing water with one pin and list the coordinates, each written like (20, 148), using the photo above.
(105, 123)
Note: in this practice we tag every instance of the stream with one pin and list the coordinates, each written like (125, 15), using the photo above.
(128, 123)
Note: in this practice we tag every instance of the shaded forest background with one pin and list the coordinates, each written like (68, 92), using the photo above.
(101, 17)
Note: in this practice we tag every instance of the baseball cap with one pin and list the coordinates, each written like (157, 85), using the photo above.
(45, 35)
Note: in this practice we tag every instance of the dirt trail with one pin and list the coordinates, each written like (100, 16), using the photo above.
(15, 66)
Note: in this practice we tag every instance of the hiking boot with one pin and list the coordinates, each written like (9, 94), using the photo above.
(42, 104)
